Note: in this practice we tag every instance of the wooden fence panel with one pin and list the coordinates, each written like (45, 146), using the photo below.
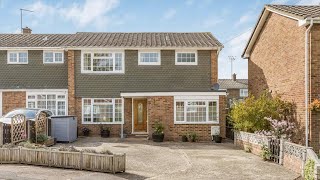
(18, 128)
(98, 162)
(6, 133)
(65, 159)
(9, 155)
(34, 156)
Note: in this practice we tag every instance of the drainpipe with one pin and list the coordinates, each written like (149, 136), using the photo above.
(306, 79)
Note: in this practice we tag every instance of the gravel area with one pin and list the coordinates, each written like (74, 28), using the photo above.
(168, 160)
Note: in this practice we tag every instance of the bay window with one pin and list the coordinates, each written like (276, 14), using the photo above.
(102, 111)
(55, 102)
(102, 62)
(196, 111)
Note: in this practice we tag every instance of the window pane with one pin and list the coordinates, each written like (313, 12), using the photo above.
(13, 57)
(149, 57)
(58, 57)
(61, 108)
(186, 57)
(196, 111)
(103, 113)
(179, 111)
(23, 57)
(31, 104)
(48, 57)
(213, 111)
(118, 59)
(118, 110)
(102, 62)
(87, 110)
(87, 61)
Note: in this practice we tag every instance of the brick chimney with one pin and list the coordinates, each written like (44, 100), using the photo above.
(234, 76)
(26, 30)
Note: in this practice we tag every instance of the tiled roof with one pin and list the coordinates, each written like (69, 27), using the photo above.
(231, 84)
(300, 12)
(154, 39)
(88, 39)
(34, 40)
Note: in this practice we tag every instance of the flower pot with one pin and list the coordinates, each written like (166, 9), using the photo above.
(105, 133)
(217, 139)
(184, 139)
(157, 137)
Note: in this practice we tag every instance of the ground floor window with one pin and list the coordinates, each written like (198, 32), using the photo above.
(196, 111)
(102, 110)
(55, 102)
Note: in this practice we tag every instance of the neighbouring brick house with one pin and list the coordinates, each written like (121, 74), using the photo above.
(284, 51)
(115, 79)
(237, 89)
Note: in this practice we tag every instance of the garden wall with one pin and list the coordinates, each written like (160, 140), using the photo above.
(292, 156)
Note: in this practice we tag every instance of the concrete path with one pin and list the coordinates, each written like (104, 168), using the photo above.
(168, 160)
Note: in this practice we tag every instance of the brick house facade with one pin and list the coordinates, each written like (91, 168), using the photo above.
(102, 85)
(276, 62)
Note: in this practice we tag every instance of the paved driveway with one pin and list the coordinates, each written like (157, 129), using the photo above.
(167, 160)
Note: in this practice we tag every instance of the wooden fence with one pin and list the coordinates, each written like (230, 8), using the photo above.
(64, 159)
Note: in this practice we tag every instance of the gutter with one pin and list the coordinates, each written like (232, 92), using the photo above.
(306, 79)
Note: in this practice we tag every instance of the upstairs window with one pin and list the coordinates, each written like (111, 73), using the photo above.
(102, 62)
(53, 57)
(18, 57)
(149, 58)
(186, 58)
(243, 92)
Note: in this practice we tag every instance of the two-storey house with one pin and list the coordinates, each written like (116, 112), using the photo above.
(117, 79)
(284, 58)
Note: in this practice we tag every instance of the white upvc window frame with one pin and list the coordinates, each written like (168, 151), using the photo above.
(149, 63)
(187, 99)
(186, 63)
(92, 113)
(17, 52)
(56, 93)
(242, 94)
(53, 56)
(102, 72)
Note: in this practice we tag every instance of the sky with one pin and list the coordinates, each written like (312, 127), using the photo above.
(230, 21)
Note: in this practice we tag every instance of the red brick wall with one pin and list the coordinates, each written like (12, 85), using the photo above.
(292, 163)
(13, 100)
(214, 67)
(71, 83)
(315, 85)
(277, 63)
(162, 109)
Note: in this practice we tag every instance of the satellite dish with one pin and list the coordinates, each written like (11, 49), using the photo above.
(216, 86)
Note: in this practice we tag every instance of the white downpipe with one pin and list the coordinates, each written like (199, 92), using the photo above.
(306, 76)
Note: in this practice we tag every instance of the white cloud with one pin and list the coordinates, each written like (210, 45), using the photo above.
(169, 14)
(279, 1)
(235, 48)
(17, 31)
(212, 21)
(309, 2)
(189, 2)
(245, 18)
(40, 9)
(92, 11)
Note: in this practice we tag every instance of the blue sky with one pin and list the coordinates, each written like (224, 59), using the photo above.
(230, 21)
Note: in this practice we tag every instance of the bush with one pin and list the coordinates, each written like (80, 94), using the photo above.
(309, 170)
(266, 153)
(158, 128)
(193, 136)
(250, 114)
(41, 138)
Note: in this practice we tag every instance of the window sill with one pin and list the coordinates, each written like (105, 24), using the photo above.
(181, 123)
(16, 63)
(101, 73)
(96, 123)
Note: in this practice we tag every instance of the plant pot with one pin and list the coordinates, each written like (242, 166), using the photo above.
(217, 139)
(86, 133)
(184, 139)
(105, 133)
(157, 137)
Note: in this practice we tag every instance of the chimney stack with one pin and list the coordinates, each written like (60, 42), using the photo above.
(26, 30)
(234, 76)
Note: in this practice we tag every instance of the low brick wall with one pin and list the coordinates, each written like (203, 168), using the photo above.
(249, 140)
(292, 156)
